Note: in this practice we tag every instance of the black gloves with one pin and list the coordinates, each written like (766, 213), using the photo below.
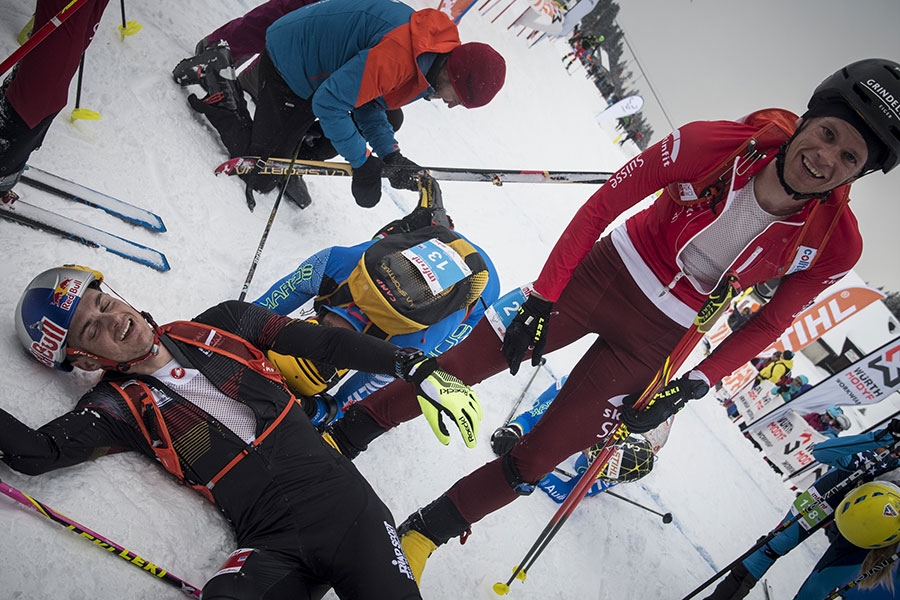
(504, 438)
(892, 428)
(401, 172)
(366, 186)
(663, 405)
(528, 329)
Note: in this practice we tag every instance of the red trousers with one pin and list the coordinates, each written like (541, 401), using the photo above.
(634, 340)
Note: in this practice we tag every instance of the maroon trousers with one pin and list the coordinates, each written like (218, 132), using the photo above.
(40, 87)
(634, 340)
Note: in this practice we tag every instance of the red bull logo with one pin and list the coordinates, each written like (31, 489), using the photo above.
(52, 337)
(66, 292)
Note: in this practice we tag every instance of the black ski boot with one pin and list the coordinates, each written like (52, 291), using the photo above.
(297, 192)
(213, 70)
(426, 529)
(736, 585)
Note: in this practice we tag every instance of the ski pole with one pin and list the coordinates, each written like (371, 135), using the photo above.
(667, 517)
(241, 165)
(880, 566)
(838, 487)
(265, 235)
(78, 112)
(128, 27)
(525, 391)
(662, 376)
(38, 36)
(99, 540)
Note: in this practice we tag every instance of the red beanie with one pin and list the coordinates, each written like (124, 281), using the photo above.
(477, 73)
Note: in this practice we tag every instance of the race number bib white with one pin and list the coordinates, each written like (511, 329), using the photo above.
(440, 265)
(501, 313)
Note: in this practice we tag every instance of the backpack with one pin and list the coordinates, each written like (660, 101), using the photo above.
(408, 281)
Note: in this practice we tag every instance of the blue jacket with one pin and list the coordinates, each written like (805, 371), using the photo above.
(302, 284)
(362, 56)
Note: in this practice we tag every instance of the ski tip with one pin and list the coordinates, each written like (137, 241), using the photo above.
(501, 589)
(229, 167)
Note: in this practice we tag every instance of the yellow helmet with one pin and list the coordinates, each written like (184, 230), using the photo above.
(869, 516)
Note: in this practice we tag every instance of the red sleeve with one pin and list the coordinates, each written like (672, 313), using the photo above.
(685, 155)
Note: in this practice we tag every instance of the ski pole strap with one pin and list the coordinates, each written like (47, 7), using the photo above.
(100, 541)
(880, 566)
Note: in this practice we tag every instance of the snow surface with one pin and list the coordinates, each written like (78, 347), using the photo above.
(152, 150)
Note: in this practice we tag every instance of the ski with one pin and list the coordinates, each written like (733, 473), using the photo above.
(64, 188)
(243, 165)
(38, 218)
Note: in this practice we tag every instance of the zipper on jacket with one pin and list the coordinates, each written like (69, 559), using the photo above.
(672, 284)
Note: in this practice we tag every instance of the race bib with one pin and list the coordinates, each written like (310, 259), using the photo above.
(439, 264)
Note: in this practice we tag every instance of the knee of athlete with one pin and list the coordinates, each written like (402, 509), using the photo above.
(514, 478)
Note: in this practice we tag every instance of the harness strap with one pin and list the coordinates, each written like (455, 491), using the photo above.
(139, 397)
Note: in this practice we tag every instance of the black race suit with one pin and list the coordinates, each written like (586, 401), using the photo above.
(310, 518)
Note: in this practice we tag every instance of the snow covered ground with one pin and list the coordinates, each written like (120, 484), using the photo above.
(152, 150)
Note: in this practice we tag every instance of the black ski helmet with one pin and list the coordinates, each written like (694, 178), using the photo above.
(871, 87)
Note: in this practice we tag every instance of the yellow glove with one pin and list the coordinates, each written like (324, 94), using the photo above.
(439, 392)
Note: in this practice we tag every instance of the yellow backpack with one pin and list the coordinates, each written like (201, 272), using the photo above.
(408, 281)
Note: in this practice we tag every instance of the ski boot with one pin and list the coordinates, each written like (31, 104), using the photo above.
(297, 192)
(213, 70)
(7, 182)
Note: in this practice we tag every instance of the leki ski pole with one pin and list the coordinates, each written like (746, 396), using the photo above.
(877, 568)
(706, 317)
(100, 541)
(666, 517)
(661, 378)
(38, 36)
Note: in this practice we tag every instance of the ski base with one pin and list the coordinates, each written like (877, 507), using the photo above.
(243, 165)
(64, 188)
(38, 218)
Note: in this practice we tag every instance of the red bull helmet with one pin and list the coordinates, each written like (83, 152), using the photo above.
(45, 311)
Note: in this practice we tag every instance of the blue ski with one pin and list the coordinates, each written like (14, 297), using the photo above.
(38, 218)
(64, 188)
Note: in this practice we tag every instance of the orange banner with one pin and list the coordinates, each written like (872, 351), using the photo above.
(813, 322)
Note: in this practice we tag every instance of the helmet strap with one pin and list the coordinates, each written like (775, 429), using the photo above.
(779, 169)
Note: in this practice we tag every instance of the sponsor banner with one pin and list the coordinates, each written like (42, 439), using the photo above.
(455, 9)
(870, 379)
(753, 402)
(622, 108)
(543, 15)
(787, 442)
(823, 316)
(807, 327)
(739, 379)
